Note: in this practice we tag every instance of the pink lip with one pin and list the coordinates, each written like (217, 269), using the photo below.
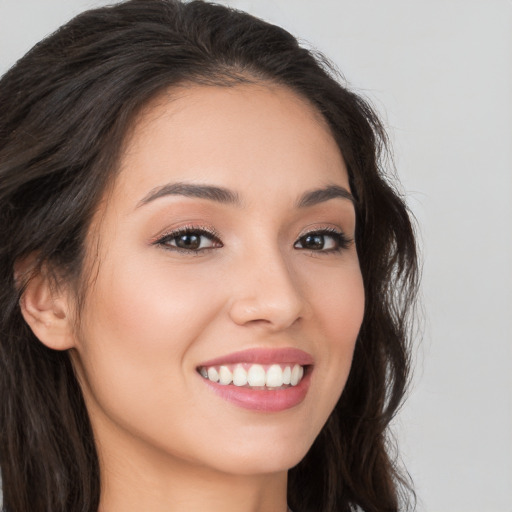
(263, 400)
(263, 356)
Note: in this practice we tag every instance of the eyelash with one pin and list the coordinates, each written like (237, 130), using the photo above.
(340, 239)
(208, 233)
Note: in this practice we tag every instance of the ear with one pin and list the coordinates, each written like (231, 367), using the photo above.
(46, 309)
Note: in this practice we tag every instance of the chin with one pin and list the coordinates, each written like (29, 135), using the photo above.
(270, 456)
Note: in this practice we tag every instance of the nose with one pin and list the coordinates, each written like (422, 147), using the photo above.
(266, 292)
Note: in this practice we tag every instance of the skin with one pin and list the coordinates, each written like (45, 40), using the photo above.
(154, 313)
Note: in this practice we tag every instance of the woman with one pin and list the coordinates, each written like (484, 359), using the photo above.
(206, 277)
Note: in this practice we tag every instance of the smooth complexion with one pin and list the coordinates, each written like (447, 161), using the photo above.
(187, 274)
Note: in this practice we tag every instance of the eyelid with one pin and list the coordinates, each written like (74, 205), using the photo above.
(211, 233)
(343, 240)
(325, 229)
(317, 228)
(207, 231)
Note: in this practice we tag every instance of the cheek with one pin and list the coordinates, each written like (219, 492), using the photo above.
(152, 306)
(338, 312)
(338, 302)
(139, 324)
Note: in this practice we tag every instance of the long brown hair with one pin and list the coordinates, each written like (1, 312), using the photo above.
(64, 111)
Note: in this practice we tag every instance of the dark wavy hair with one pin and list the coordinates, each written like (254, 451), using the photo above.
(65, 109)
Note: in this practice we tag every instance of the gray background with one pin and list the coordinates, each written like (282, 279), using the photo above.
(440, 74)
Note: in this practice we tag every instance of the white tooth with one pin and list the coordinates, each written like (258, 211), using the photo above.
(239, 376)
(256, 375)
(296, 374)
(225, 376)
(204, 372)
(213, 374)
(287, 375)
(301, 373)
(274, 376)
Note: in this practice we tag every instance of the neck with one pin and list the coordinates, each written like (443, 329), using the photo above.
(131, 483)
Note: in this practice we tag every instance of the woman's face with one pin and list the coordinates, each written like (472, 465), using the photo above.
(224, 251)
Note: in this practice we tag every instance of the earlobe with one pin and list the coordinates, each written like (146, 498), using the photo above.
(46, 311)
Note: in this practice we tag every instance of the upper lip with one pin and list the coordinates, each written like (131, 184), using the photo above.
(263, 356)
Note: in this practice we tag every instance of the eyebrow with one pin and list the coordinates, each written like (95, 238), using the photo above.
(321, 195)
(218, 194)
(226, 196)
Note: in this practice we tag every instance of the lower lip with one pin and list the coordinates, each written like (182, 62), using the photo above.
(263, 400)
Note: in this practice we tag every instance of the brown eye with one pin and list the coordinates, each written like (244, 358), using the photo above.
(190, 240)
(325, 241)
(315, 242)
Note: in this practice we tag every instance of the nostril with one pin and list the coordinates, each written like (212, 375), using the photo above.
(265, 313)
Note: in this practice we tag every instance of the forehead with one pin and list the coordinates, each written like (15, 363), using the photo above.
(248, 137)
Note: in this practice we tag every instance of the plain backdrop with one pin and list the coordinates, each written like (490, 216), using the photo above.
(440, 74)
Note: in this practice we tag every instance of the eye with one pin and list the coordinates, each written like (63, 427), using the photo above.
(190, 239)
(326, 240)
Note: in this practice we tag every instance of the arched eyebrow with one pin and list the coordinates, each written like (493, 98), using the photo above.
(321, 195)
(213, 193)
(226, 196)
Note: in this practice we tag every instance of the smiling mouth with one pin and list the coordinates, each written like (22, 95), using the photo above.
(255, 376)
